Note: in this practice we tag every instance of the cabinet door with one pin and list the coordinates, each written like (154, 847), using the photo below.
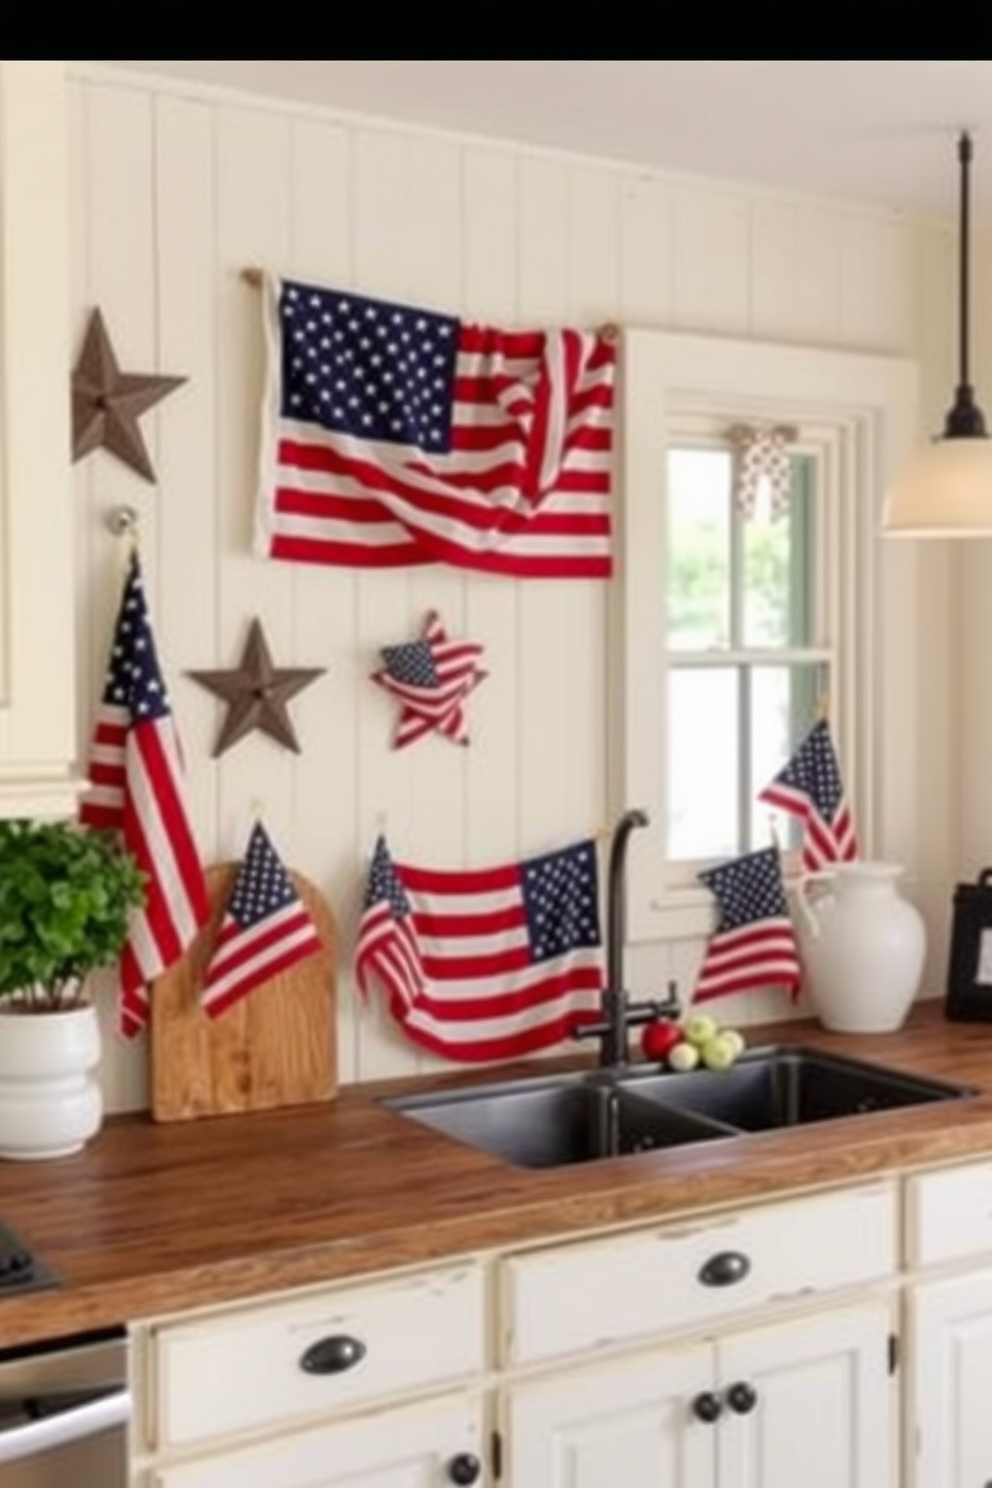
(37, 654)
(418, 1446)
(809, 1402)
(949, 1436)
(629, 1424)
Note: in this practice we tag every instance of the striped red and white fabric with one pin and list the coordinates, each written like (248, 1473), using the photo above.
(393, 435)
(485, 964)
(431, 678)
(265, 930)
(137, 788)
(753, 946)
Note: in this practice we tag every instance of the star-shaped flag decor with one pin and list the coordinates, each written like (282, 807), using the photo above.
(257, 694)
(432, 678)
(107, 403)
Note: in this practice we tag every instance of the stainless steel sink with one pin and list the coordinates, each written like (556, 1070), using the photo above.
(560, 1119)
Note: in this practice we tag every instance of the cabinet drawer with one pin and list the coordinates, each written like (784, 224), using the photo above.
(243, 1371)
(949, 1214)
(587, 1296)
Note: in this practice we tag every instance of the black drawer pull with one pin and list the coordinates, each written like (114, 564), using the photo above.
(725, 1268)
(707, 1407)
(333, 1355)
(742, 1397)
(464, 1469)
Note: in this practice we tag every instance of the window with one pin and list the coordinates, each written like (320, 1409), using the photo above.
(733, 630)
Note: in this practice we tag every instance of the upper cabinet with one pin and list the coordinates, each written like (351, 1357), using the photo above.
(37, 655)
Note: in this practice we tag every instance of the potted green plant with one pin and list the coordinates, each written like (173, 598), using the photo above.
(66, 896)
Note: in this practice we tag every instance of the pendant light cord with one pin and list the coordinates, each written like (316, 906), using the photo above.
(965, 419)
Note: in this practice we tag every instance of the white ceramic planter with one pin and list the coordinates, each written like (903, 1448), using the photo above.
(50, 1098)
(862, 946)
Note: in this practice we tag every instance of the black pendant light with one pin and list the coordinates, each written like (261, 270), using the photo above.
(946, 490)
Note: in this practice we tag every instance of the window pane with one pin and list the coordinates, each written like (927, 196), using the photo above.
(778, 567)
(698, 570)
(783, 710)
(703, 745)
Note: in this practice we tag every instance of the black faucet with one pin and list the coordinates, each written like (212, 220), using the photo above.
(618, 1013)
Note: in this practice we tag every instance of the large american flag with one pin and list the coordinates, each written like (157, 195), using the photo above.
(754, 944)
(809, 786)
(393, 435)
(266, 928)
(489, 963)
(138, 789)
(431, 678)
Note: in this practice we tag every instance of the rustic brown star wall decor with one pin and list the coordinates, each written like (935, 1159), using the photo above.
(107, 403)
(257, 694)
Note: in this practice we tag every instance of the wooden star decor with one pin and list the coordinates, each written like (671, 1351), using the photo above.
(257, 694)
(432, 678)
(107, 403)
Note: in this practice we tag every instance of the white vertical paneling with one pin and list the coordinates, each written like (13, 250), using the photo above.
(795, 273)
(712, 255)
(880, 275)
(253, 224)
(171, 199)
(324, 843)
(188, 514)
(492, 604)
(647, 261)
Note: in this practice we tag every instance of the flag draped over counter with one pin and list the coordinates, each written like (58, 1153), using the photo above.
(809, 786)
(138, 789)
(754, 944)
(393, 435)
(490, 963)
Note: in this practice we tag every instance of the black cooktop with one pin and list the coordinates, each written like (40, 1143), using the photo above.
(20, 1271)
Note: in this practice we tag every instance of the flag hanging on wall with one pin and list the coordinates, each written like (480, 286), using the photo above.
(431, 678)
(393, 435)
(138, 789)
(265, 930)
(809, 786)
(753, 945)
(486, 964)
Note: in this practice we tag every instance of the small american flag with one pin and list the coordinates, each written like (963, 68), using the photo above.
(432, 678)
(486, 964)
(138, 788)
(266, 928)
(393, 435)
(754, 945)
(810, 787)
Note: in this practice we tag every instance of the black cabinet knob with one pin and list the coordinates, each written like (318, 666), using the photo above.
(742, 1397)
(333, 1355)
(707, 1407)
(464, 1469)
(725, 1268)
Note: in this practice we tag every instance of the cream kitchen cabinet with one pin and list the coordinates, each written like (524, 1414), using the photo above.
(37, 653)
(809, 1401)
(949, 1307)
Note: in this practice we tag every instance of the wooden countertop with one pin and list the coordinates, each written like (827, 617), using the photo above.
(154, 1219)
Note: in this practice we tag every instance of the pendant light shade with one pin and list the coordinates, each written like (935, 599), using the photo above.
(946, 489)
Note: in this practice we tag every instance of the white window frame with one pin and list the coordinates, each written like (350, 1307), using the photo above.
(864, 408)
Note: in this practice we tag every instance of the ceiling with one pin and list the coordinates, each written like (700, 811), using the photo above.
(877, 131)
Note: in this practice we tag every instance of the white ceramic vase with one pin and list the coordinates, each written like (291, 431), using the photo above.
(50, 1098)
(862, 945)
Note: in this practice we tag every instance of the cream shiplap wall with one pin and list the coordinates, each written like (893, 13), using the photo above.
(174, 193)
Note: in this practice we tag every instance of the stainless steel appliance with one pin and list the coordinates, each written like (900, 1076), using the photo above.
(65, 1403)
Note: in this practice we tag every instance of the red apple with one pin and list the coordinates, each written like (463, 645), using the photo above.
(659, 1037)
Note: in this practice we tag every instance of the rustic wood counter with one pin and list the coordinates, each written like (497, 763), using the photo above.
(154, 1219)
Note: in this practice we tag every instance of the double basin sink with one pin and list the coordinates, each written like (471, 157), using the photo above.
(555, 1120)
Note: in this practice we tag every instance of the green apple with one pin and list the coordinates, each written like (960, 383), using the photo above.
(736, 1038)
(700, 1028)
(719, 1052)
(683, 1057)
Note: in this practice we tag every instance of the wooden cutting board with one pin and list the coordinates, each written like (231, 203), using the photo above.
(277, 1046)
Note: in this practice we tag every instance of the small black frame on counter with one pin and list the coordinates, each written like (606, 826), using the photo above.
(969, 973)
